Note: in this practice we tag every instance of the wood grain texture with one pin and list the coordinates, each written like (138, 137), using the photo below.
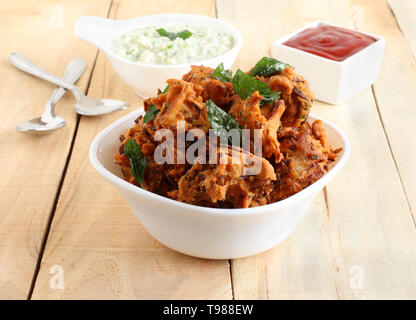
(31, 167)
(395, 91)
(358, 239)
(103, 249)
(405, 14)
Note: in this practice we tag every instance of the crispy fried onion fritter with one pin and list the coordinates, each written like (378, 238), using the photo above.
(296, 93)
(266, 118)
(294, 153)
(216, 184)
(208, 87)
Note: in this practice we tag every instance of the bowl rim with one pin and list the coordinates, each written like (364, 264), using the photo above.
(237, 45)
(279, 42)
(119, 182)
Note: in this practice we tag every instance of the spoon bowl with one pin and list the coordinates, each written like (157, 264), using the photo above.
(92, 107)
(37, 126)
(49, 121)
(84, 105)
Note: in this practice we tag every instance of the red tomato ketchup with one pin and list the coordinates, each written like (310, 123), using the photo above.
(330, 42)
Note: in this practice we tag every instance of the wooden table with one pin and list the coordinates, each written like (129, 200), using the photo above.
(358, 240)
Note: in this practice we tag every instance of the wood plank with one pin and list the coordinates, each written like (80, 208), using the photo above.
(362, 228)
(395, 91)
(95, 237)
(405, 14)
(32, 166)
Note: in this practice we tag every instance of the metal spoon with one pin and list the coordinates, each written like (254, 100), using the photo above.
(84, 105)
(49, 121)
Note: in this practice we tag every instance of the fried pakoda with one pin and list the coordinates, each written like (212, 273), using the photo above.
(296, 93)
(180, 103)
(266, 118)
(221, 93)
(294, 155)
(158, 178)
(306, 156)
(227, 182)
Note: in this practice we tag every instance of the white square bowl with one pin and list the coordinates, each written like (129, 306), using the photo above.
(333, 81)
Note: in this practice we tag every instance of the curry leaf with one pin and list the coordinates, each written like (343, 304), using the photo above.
(151, 113)
(137, 160)
(164, 90)
(222, 122)
(222, 74)
(185, 34)
(245, 86)
(268, 66)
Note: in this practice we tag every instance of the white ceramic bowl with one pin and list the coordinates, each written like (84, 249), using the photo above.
(333, 81)
(145, 79)
(210, 232)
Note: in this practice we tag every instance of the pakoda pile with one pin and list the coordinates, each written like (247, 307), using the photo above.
(270, 99)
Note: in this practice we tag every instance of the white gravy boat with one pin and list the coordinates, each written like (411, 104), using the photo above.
(145, 79)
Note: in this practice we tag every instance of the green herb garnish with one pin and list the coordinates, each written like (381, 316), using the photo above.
(164, 90)
(245, 86)
(151, 113)
(222, 74)
(137, 160)
(221, 121)
(185, 34)
(268, 66)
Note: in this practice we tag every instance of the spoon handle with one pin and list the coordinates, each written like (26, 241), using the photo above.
(72, 73)
(23, 63)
